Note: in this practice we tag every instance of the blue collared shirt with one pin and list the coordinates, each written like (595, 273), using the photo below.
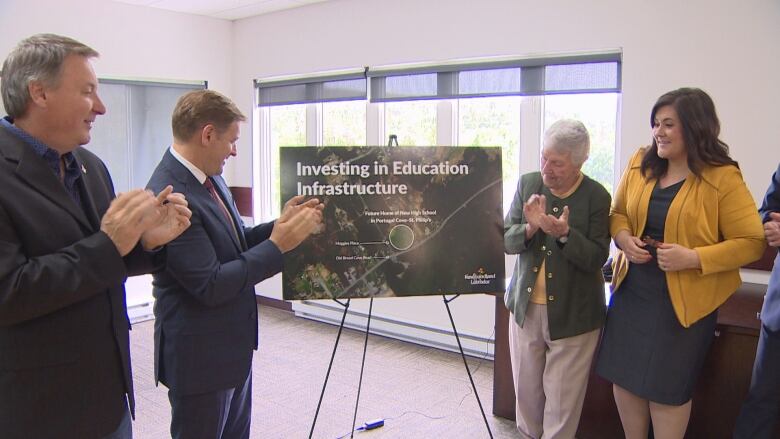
(52, 158)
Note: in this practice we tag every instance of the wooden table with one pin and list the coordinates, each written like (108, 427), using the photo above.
(718, 395)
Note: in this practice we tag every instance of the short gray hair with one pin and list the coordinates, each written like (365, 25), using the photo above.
(569, 135)
(37, 58)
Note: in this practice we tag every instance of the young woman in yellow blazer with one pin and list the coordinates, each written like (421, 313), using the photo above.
(684, 222)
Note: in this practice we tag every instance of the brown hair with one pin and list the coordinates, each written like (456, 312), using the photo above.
(700, 128)
(199, 108)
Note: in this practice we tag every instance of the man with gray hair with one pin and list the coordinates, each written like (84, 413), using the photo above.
(558, 226)
(67, 244)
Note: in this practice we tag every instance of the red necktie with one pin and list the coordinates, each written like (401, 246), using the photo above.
(213, 191)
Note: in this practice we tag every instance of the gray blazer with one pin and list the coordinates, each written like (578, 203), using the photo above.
(575, 285)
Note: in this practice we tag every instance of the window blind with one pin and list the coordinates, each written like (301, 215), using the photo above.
(309, 89)
(520, 77)
(576, 73)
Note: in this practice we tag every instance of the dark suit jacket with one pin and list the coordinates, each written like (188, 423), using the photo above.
(64, 351)
(770, 313)
(206, 314)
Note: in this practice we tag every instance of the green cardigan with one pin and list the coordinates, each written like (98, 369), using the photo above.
(575, 285)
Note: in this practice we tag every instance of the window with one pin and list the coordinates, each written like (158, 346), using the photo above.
(413, 122)
(506, 103)
(344, 123)
(288, 128)
(494, 122)
(499, 103)
(133, 135)
(598, 111)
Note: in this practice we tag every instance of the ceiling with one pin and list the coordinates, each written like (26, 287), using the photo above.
(225, 9)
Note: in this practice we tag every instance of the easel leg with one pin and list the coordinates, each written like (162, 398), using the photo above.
(465, 363)
(327, 374)
(362, 365)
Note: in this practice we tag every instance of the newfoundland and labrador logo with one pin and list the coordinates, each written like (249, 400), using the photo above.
(480, 277)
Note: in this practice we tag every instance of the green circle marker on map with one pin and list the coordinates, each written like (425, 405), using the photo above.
(401, 237)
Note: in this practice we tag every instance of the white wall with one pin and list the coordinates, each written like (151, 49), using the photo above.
(730, 49)
(133, 41)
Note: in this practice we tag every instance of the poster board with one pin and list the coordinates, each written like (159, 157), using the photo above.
(398, 221)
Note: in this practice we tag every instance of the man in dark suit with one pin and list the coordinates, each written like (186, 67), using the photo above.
(206, 314)
(758, 416)
(66, 247)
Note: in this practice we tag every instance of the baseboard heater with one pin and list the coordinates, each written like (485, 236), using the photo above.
(140, 312)
(328, 312)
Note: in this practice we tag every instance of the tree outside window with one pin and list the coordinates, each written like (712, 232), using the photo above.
(494, 122)
(288, 128)
(414, 122)
(598, 112)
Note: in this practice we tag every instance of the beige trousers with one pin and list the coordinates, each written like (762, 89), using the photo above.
(550, 377)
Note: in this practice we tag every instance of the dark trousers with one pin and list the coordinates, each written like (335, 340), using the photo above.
(758, 416)
(125, 429)
(223, 414)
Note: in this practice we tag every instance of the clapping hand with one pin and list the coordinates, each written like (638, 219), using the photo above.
(129, 215)
(297, 222)
(533, 210)
(295, 203)
(556, 227)
(772, 229)
(173, 219)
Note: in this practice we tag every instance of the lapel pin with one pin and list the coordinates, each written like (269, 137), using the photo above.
(83, 169)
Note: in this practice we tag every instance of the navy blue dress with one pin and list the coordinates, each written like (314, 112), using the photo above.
(645, 349)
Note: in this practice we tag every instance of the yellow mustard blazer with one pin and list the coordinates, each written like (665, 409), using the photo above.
(714, 214)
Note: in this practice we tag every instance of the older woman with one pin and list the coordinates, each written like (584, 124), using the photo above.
(684, 222)
(558, 227)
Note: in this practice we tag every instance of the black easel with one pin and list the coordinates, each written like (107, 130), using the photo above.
(465, 363)
(392, 141)
(332, 356)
